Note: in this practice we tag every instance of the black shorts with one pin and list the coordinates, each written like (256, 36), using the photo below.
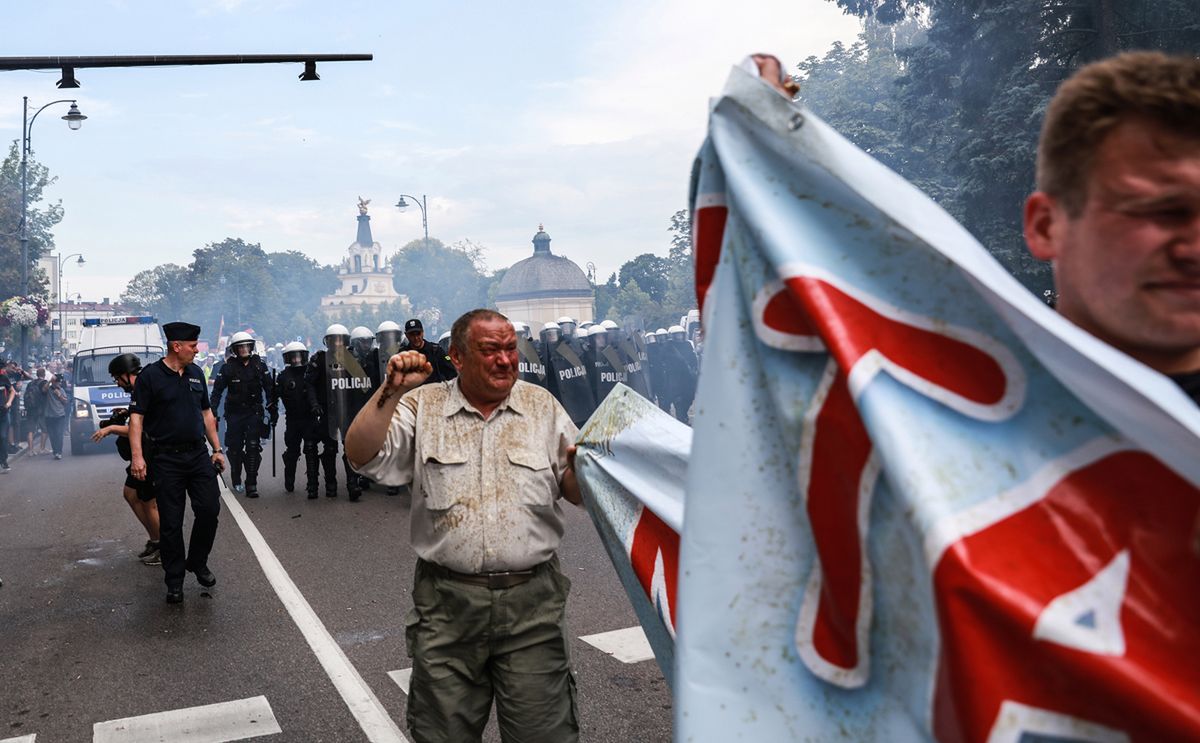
(144, 488)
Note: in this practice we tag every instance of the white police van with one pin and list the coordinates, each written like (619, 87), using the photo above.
(101, 340)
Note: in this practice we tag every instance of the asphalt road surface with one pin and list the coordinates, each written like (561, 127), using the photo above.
(302, 639)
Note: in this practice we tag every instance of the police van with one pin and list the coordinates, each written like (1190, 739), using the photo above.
(101, 340)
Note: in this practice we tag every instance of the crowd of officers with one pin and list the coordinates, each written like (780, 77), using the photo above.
(579, 363)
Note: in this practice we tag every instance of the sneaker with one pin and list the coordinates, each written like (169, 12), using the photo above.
(5, 470)
(151, 546)
(58, 456)
(238, 488)
(154, 558)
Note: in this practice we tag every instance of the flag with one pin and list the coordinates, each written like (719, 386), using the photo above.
(920, 505)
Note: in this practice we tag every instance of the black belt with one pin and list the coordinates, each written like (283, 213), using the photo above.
(167, 448)
(502, 579)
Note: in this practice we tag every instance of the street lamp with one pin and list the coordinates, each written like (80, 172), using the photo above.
(74, 120)
(402, 205)
(62, 330)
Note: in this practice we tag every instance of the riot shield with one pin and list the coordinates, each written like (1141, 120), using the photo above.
(529, 365)
(567, 375)
(636, 369)
(391, 342)
(609, 369)
(349, 388)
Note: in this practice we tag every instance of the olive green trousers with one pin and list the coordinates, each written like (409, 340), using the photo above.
(472, 643)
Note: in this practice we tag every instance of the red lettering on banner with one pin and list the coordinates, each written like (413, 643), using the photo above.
(993, 586)
(655, 543)
(838, 478)
(708, 230)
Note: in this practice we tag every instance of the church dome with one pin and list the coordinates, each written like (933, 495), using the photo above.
(543, 275)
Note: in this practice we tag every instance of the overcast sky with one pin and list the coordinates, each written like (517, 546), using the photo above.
(582, 116)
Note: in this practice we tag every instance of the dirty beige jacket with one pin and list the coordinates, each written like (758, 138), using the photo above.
(485, 494)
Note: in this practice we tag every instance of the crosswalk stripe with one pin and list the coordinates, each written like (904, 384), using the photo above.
(370, 713)
(403, 678)
(211, 723)
(626, 645)
(21, 739)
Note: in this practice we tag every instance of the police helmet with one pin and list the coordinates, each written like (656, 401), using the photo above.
(661, 333)
(295, 354)
(520, 328)
(609, 324)
(676, 333)
(239, 340)
(126, 363)
(598, 335)
(444, 341)
(551, 332)
(390, 335)
(336, 335)
(567, 325)
(651, 338)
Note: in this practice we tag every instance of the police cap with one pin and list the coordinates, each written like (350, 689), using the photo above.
(181, 331)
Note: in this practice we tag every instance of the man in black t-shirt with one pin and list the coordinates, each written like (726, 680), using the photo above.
(439, 358)
(170, 405)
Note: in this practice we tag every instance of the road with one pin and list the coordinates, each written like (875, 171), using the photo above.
(87, 641)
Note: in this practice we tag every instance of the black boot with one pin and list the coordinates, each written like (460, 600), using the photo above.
(253, 462)
(353, 481)
(289, 471)
(329, 464)
(312, 469)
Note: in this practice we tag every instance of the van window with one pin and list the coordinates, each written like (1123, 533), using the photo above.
(92, 369)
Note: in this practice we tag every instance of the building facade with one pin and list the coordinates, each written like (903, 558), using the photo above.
(365, 273)
(544, 287)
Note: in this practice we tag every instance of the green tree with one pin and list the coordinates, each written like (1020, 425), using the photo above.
(41, 223)
(161, 291)
(435, 277)
(649, 272)
(606, 294)
(971, 90)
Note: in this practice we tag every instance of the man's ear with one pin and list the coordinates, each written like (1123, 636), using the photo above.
(455, 358)
(1043, 217)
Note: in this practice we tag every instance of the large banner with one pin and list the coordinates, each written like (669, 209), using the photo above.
(920, 504)
(632, 463)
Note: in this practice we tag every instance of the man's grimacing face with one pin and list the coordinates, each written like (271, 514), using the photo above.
(1127, 267)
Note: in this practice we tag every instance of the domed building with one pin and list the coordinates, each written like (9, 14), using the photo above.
(544, 287)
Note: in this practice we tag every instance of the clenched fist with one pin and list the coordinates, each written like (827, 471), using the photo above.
(407, 370)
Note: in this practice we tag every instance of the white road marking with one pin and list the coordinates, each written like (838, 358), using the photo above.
(403, 678)
(364, 705)
(212, 723)
(23, 739)
(626, 645)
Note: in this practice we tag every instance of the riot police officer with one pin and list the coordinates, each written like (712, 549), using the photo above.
(300, 433)
(251, 389)
(682, 370)
(331, 410)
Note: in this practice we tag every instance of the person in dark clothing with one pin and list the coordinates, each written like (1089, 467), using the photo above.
(682, 369)
(300, 433)
(55, 414)
(170, 408)
(251, 389)
(443, 368)
(316, 376)
(8, 395)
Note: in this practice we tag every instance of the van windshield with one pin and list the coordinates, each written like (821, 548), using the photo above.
(92, 368)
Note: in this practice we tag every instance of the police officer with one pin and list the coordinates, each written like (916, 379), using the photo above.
(362, 342)
(682, 370)
(300, 433)
(443, 369)
(251, 389)
(317, 378)
(170, 406)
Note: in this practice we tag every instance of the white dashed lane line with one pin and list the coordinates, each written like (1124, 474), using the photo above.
(401, 677)
(20, 739)
(212, 723)
(626, 645)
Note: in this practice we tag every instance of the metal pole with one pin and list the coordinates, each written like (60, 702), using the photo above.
(24, 219)
(425, 218)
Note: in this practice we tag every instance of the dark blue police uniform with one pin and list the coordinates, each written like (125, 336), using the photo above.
(172, 407)
(250, 389)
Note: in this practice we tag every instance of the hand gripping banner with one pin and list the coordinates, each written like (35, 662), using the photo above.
(920, 504)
